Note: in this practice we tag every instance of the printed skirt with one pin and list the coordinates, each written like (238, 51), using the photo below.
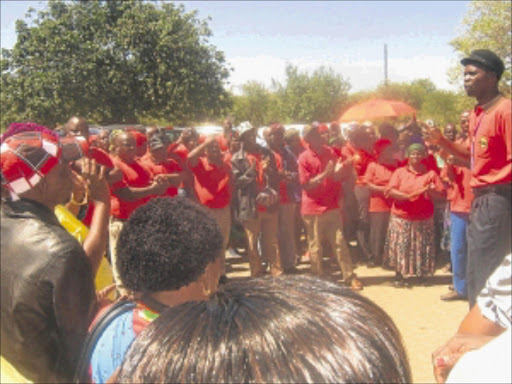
(410, 246)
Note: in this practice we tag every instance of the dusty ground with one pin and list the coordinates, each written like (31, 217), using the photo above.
(424, 321)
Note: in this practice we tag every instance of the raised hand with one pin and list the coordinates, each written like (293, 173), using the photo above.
(94, 176)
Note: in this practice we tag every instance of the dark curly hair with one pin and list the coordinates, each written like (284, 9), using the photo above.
(166, 244)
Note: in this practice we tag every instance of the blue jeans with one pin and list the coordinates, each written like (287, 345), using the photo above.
(459, 250)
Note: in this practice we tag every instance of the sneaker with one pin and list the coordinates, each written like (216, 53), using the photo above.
(452, 296)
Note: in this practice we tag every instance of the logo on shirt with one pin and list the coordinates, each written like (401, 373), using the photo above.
(484, 143)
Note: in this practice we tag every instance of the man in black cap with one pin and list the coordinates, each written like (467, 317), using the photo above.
(490, 156)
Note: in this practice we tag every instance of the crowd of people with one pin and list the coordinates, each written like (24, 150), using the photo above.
(163, 214)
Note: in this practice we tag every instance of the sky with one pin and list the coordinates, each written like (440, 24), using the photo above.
(259, 38)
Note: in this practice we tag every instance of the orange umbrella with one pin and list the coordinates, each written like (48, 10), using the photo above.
(377, 108)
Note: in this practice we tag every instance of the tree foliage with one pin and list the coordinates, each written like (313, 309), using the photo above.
(486, 25)
(303, 97)
(254, 104)
(112, 61)
(318, 96)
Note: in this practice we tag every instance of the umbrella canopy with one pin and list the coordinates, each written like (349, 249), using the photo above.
(377, 108)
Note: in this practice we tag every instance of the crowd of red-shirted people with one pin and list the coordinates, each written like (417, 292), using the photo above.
(373, 193)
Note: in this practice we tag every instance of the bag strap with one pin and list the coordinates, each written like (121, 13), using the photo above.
(117, 309)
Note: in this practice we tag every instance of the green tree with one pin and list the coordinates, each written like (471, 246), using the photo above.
(487, 24)
(253, 104)
(113, 61)
(308, 97)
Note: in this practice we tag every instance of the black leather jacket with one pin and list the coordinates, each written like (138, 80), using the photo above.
(47, 293)
(246, 183)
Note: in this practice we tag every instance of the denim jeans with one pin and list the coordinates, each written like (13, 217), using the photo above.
(459, 250)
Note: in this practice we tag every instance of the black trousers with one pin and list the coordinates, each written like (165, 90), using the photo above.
(379, 222)
(362, 194)
(489, 238)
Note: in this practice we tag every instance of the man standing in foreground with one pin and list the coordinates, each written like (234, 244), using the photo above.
(257, 201)
(490, 156)
(47, 286)
(320, 173)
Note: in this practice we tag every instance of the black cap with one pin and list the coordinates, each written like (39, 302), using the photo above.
(487, 60)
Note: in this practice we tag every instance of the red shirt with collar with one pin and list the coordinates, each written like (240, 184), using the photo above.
(134, 175)
(325, 196)
(361, 160)
(459, 192)
(379, 175)
(211, 183)
(168, 167)
(492, 142)
(177, 150)
(406, 181)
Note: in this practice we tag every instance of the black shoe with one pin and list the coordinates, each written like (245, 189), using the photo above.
(452, 296)
(223, 279)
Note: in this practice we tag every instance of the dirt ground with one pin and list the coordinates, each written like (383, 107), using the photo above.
(424, 321)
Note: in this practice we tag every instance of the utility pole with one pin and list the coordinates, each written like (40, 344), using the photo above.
(386, 65)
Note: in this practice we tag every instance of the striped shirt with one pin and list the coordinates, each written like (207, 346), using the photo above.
(495, 300)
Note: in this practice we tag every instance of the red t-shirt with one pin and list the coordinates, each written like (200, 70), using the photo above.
(211, 183)
(361, 160)
(168, 167)
(223, 143)
(337, 151)
(407, 181)
(325, 196)
(282, 184)
(492, 157)
(134, 175)
(379, 175)
(179, 150)
(348, 150)
(459, 192)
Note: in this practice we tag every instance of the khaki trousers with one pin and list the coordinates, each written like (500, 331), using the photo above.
(267, 224)
(116, 226)
(286, 215)
(223, 218)
(327, 226)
